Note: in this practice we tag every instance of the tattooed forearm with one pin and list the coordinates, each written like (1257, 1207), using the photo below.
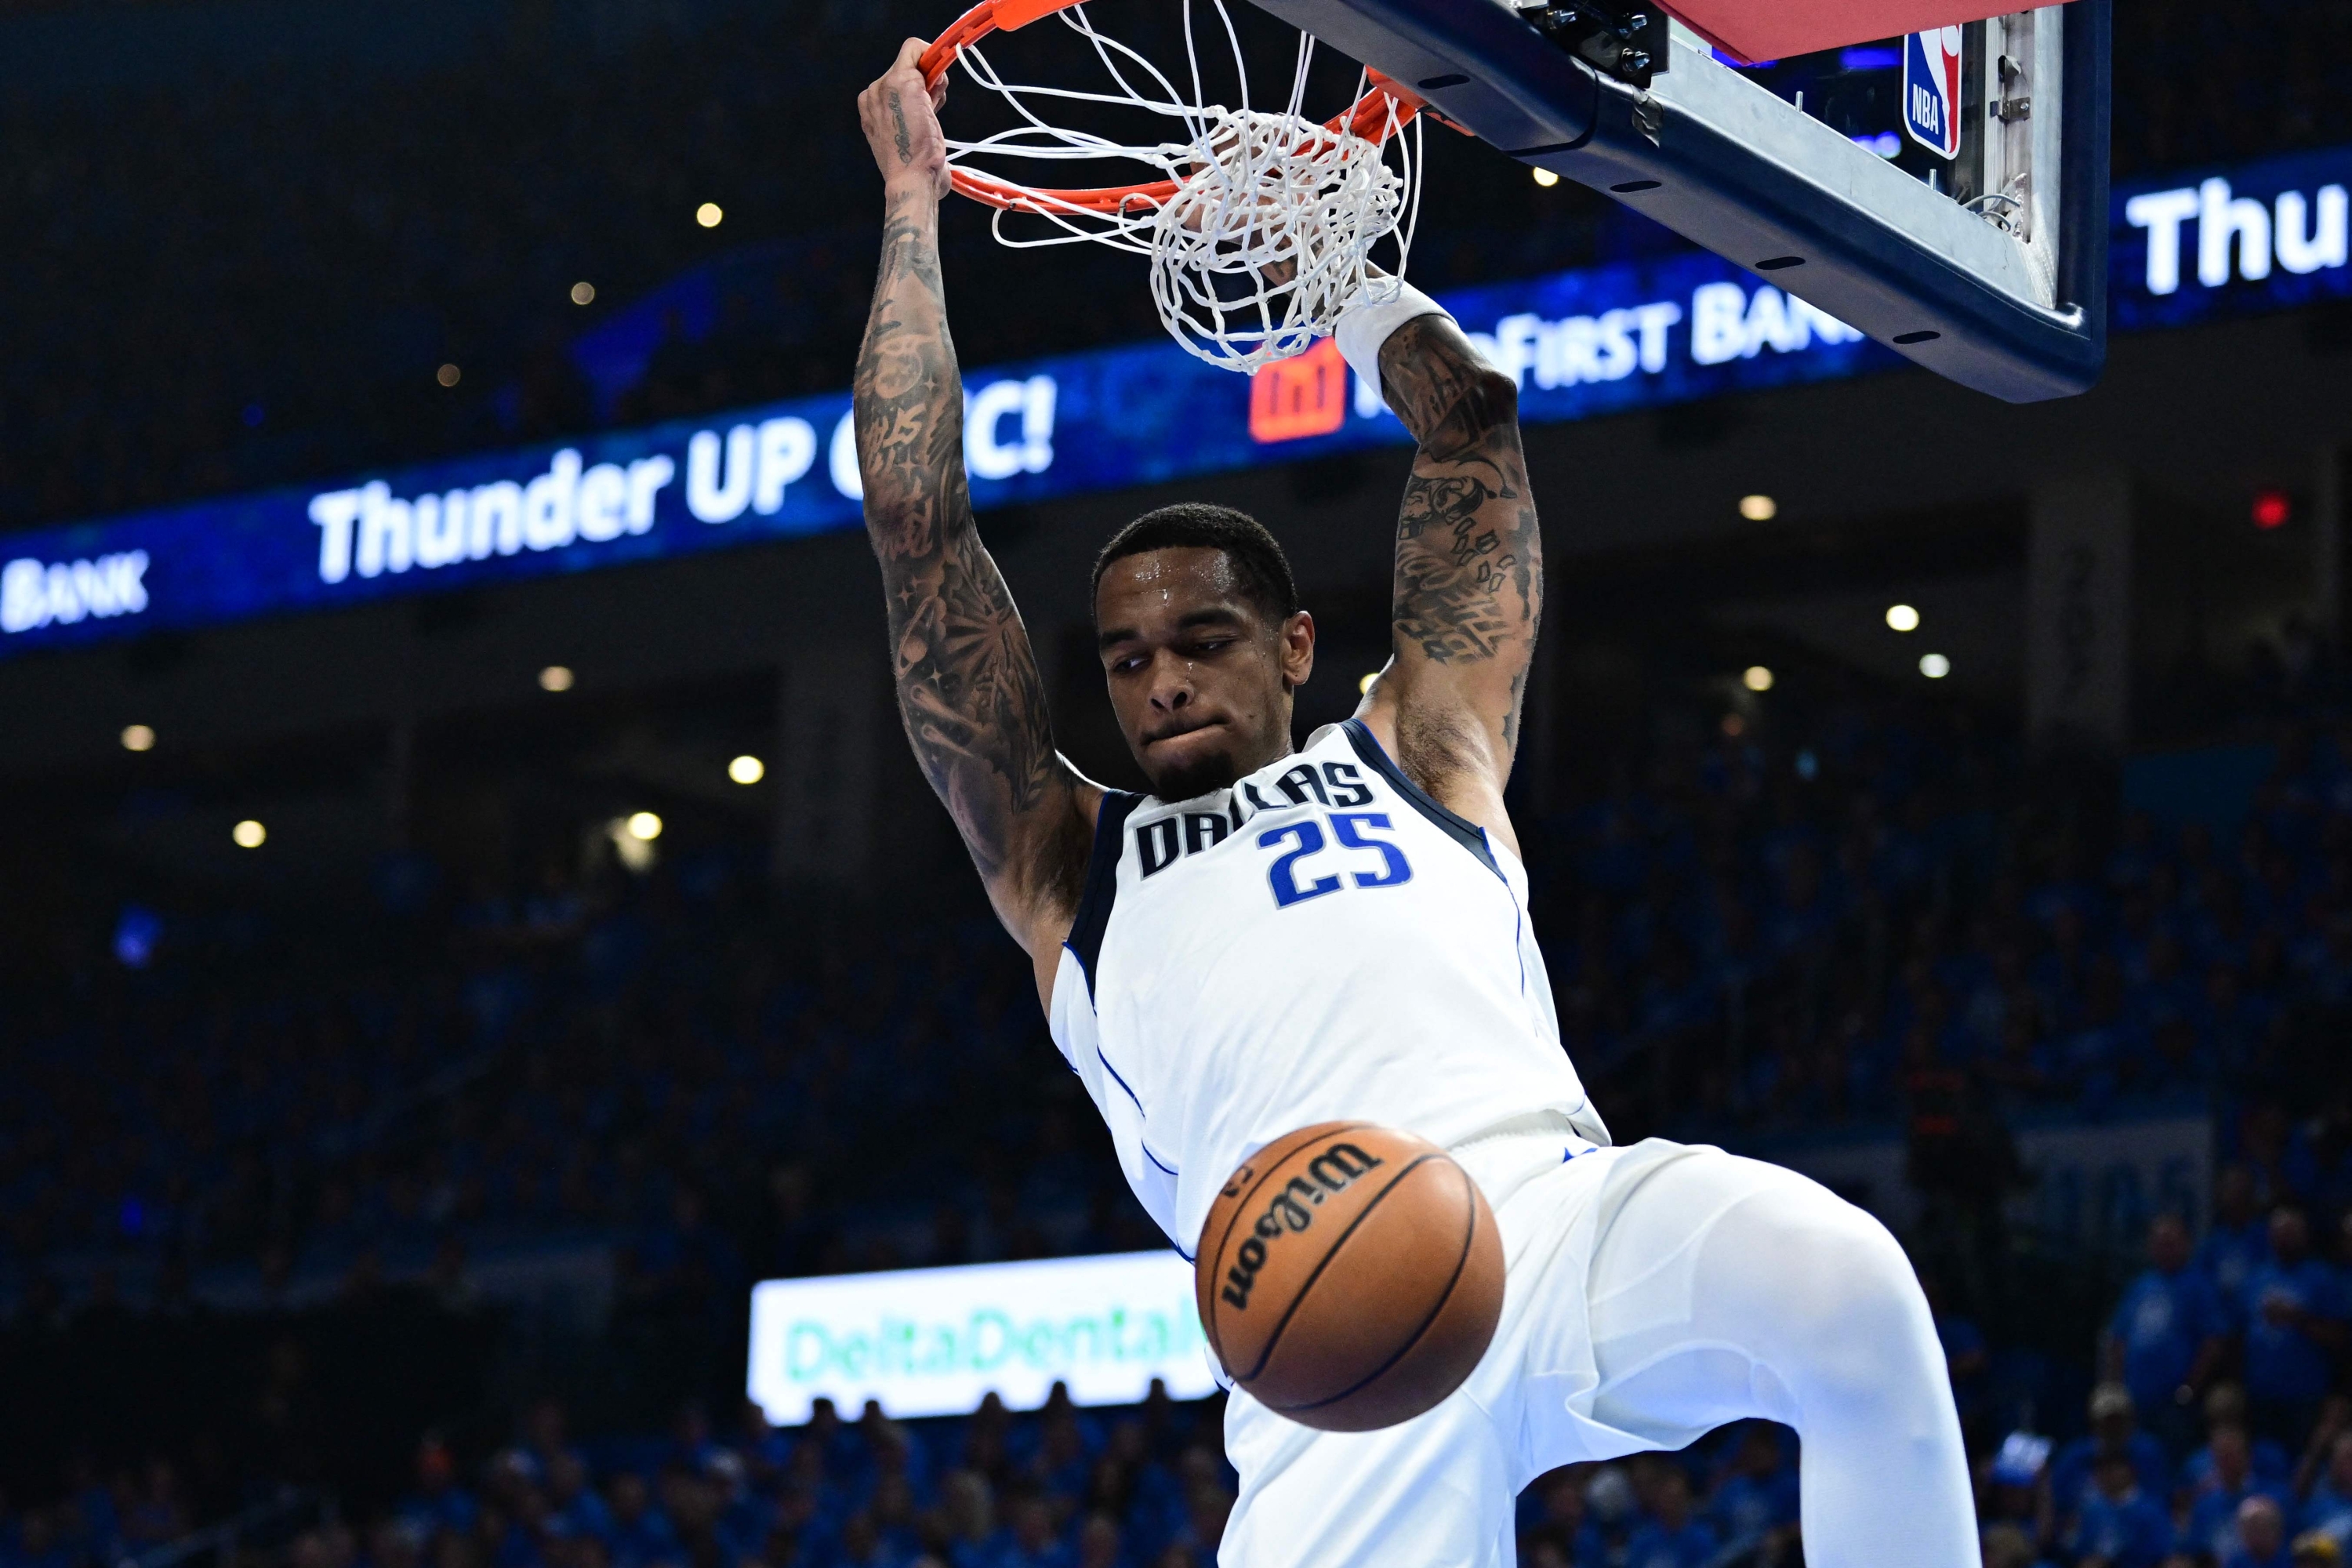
(1451, 400)
(1466, 563)
(1469, 560)
(968, 688)
(969, 693)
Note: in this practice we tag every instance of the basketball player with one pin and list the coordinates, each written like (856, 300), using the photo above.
(1276, 937)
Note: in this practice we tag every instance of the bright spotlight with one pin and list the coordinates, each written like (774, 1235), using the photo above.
(747, 769)
(583, 293)
(1759, 508)
(644, 826)
(448, 375)
(250, 835)
(138, 738)
(1546, 178)
(1756, 678)
(708, 214)
(1903, 617)
(1364, 686)
(1935, 666)
(555, 678)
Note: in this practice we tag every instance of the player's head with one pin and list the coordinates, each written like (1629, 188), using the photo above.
(1202, 643)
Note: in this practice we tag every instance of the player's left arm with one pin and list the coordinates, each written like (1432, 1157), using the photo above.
(1468, 590)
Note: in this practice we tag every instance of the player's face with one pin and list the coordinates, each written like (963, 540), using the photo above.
(1201, 677)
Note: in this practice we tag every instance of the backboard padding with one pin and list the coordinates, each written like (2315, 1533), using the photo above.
(1748, 31)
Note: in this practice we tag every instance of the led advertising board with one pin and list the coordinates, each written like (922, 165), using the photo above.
(935, 1342)
(1597, 341)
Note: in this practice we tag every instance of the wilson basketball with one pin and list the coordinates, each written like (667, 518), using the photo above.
(1350, 1275)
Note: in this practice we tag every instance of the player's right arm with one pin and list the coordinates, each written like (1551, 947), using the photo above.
(1468, 588)
(969, 688)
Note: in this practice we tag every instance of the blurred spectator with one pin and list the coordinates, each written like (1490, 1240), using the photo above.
(1670, 1537)
(642, 1535)
(2113, 1434)
(2239, 1237)
(2328, 1509)
(2294, 1315)
(438, 1503)
(2261, 1536)
(1552, 1515)
(2218, 1500)
(1755, 1506)
(2169, 1333)
(2118, 1522)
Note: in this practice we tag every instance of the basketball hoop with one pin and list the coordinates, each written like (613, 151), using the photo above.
(1260, 224)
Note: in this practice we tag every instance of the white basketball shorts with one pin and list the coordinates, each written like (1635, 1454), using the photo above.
(1439, 1491)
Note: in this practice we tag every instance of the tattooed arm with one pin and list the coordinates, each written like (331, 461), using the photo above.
(968, 688)
(1469, 574)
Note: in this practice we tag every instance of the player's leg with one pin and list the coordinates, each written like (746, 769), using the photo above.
(1723, 1288)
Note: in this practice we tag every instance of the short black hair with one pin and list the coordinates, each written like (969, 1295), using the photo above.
(1259, 564)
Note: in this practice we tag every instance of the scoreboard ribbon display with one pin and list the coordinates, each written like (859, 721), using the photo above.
(2259, 238)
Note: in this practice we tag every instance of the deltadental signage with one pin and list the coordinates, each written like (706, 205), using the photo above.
(2261, 237)
(936, 1342)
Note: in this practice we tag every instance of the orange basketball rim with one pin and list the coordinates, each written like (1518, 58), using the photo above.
(1387, 108)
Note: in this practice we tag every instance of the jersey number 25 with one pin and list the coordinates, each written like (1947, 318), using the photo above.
(1306, 838)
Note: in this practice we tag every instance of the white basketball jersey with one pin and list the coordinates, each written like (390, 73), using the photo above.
(1323, 941)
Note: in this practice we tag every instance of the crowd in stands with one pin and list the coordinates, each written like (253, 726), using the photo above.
(1875, 918)
(2225, 1435)
(1892, 917)
(218, 288)
(1142, 1487)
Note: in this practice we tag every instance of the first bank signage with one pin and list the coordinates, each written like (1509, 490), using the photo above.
(2261, 237)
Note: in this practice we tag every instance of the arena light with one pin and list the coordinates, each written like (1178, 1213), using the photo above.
(1546, 178)
(1935, 666)
(555, 678)
(747, 769)
(644, 826)
(138, 738)
(2272, 508)
(1756, 678)
(1759, 508)
(583, 293)
(1364, 686)
(250, 835)
(709, 214)
(448, 375)
(1903, 617)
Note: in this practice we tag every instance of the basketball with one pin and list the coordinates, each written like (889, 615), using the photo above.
(1350, 1275)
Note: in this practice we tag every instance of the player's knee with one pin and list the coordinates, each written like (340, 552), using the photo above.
(1851, 1310)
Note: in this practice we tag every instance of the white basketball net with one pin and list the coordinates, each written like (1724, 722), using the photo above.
(1269, 231)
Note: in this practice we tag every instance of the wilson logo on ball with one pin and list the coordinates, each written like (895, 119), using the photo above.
(1349, 1277)
(1291, 1211)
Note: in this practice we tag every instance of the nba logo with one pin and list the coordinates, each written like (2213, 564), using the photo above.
(1931, 90)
